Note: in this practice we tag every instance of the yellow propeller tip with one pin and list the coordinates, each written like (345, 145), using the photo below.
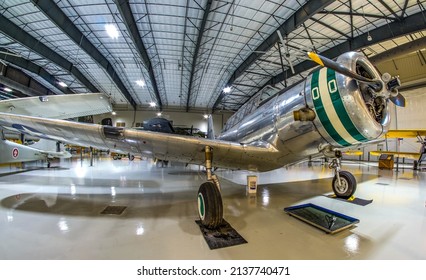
(315, 58)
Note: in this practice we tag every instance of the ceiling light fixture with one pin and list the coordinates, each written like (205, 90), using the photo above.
(159, 114)
(152, 104)
(113, 113)
(140, 83)
(227, 90)
(62, 84)
(7, 89)
(369, 37)
(206, 116)
(111, 30)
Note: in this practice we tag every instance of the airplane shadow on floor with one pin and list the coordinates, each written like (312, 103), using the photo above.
(31, 169)
(156, 204)
(152, 203)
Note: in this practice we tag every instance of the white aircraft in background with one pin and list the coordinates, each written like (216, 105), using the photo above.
(339, 105)
(54, 106)
(11, 152)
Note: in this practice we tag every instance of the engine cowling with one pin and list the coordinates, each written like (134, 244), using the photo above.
(347, 112)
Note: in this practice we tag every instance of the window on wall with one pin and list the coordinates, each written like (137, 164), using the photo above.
(120, 124)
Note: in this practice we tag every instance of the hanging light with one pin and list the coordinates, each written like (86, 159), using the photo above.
(62, 84)
(152, 104)
(111, 30)
(227, 90)
(140, 83)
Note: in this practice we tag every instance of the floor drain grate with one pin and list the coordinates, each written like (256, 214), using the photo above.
(382, 184)
(113, 210)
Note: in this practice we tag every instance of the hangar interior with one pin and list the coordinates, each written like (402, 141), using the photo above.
(182, 60)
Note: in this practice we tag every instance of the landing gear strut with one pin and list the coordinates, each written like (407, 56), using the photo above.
(210, 206)
(344, 183)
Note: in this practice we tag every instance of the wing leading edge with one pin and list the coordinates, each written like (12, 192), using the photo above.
(147, 143)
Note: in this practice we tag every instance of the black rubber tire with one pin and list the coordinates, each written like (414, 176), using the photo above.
(210, 207)
(348, 185)
(131, 157)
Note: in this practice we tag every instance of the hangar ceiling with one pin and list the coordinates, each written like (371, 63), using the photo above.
(181, 54)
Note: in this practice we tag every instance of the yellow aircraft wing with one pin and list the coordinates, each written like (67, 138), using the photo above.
(405, 133)
(414, 156)
(353, 153)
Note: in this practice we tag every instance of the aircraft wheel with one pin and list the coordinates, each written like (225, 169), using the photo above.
(115, 157)
(348, 185)
(210, 207)
(131, 157)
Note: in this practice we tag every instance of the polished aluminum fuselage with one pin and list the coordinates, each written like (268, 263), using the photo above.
(273, 124)
(342, 118)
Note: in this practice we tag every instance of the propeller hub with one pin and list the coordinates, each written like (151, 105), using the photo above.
(393, 84)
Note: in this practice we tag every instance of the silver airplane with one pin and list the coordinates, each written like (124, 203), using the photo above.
(342, 104)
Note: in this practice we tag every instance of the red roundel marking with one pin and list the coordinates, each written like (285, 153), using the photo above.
(15, 152)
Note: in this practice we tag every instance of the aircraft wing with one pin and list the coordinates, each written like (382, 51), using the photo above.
(414, 156)
(406, 133)
(58, 106)
(353, 152)
(146, 143)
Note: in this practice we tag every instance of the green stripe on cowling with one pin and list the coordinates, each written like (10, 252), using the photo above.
(322, 115)
(341, 110)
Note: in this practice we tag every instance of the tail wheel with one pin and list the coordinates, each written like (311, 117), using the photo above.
(210, 207)
(347, 185)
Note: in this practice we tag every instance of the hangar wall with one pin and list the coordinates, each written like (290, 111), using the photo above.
(411, 117)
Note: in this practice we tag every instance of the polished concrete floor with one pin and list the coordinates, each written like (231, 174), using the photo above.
(56, 213)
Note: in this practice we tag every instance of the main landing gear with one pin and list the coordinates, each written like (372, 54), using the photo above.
(344, 183)
(210, 206)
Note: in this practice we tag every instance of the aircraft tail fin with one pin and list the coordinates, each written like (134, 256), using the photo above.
(210, 129)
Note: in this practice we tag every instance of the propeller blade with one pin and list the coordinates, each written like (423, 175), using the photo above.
(326, 62)
(398, 100)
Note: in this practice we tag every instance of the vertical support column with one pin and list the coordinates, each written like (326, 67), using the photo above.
(81, 156)
(91, 156)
